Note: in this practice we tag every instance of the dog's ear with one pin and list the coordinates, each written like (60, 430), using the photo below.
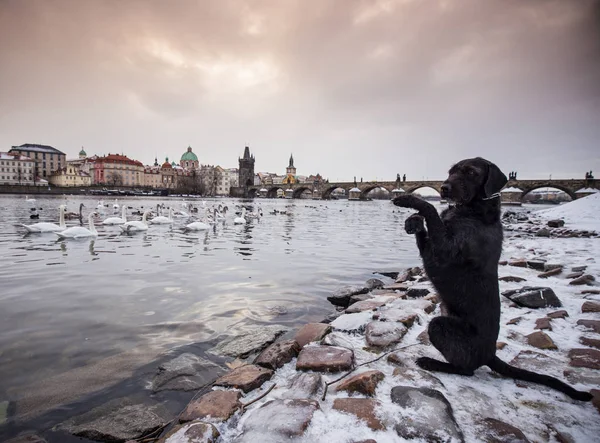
(495, 180)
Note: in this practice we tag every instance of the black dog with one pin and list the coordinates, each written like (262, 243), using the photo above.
(460, 254)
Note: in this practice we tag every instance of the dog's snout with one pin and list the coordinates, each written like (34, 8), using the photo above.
(445, 189)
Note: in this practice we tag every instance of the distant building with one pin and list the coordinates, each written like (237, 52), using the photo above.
(290, 171)
(189, 160)
(70, 176)
(47, 159)
(117, 170)
(16, 169)
(225, 180)
(246, 170)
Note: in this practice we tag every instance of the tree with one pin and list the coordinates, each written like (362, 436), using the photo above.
(191, 184)
(114, 178)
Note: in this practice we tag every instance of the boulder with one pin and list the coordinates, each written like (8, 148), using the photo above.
(246, 378)
(341, 297)
(585, 358)
(538, 265)
(364, 383)
(396, 315)
(396, 287)
(191, 433)
(389, 274)
(585, 279)
(543, 323)
(514, 321)
(518, 263)
(374, 283)
(304, 385)
(383, 334)
(417, 376)
(500, 432)
(558, 314)
(540, 340)
(582, 375)
(550, 273)
(581, 268)
(552, 266)
(363, 408)
(556, 223)
(591, 291)
(417, 292)
(338, 339)
(352, 322)
(214, 407)
(512, 279)
(543, 232)
(574, 274)
(250, 339)
(186, 372)
(591, 342)
(590, 306)
(360, 297)
(535, 361)
(285, 418)
(325, 359)
(423, 338)
(434, 419)
(533, 297)
(278, 354)
(366, 305)
(594, 325)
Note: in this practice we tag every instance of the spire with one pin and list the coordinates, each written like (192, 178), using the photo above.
(247, 153)
(291, 161)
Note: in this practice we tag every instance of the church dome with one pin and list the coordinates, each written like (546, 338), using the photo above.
(82, 152)
(166, 164)
(189, 155)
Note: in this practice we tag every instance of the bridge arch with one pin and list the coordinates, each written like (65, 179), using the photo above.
(300, 190)
(252, 192)
(368, 188)
(272, 192)
(327, 191)
(526, 190)
(414, 188)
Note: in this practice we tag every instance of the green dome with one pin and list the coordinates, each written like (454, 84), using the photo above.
(189, 155)
(82, 152)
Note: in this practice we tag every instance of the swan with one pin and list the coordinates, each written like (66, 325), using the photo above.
(197, 226)
(100, 206)
(116, 205)
(162, 220)
(136, 225)
(74, 215)
(240, 220)
(79, 231)
(117, 220)
(27, 199)
(49, 227)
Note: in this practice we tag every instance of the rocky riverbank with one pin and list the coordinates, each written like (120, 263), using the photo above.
(352, 377)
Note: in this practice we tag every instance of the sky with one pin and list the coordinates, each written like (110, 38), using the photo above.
(351, 88)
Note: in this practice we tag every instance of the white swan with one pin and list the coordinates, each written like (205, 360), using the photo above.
(27, 199)
(116, 205)
(49, 227)
(117, 220)
(100, 205)
(136, 225)
(79, 231)
(162, 220)
(240, 220)
(197, 226)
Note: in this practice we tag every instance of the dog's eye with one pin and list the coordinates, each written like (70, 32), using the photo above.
(471, 172)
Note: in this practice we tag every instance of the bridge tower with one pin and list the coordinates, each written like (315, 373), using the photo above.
(246, 171)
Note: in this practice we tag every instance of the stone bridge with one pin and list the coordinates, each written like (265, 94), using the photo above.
(324, 190)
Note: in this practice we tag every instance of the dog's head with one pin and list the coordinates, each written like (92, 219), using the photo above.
(473, 179)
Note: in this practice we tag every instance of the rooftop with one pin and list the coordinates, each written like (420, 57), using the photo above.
(32, 147)
(189, 155)
(118, 158)
(8, 156)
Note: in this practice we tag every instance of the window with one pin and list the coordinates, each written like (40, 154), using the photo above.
(44, 156)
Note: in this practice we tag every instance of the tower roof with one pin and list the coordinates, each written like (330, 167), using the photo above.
(189, 155)
(291, 161)
(82, 152)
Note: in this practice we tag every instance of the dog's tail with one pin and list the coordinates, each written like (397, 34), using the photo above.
(507, 370)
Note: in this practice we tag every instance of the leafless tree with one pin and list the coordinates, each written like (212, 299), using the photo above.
(114, 178)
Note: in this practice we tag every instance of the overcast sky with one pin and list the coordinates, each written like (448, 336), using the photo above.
(365, 88)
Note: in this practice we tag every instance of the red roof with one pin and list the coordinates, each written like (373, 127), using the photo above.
(118, 158)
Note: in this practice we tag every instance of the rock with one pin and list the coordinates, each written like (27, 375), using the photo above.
(285, 418)
(364, 383)
(423, 338)
(500, 345)
(593, 343)
(514, 321)
(118, 420)
(502, 263)
(214, 407)
(338, 339)
(186, 372)
(585, 358)
(552, 266)
(417, 292)
(352, 322)
(417, 376)
(311, 332)
(382, 334)
(543, 232)
(596, 399)
(590, 306)
(582, 375)
(533, 297)
(556, 223)
(591, 291)
(366, 305)
(363, 408)
(518, 263)
(250, 339)
(278, 354)
(543, 323)
(374, 283)
(392, 275)
(325, 359)
(192, 433)
(574, 275)
(304, 385)
(246, 378)
(433, 298)
(396, 358)
(404, 307)
(27, 438)
(538, 265)
(579, 268)
(586, 279)
(405, 276)
(436, 419)
(512, 279)
(501, 432)
(540, 340)
(396, 315)
(341, 297)
(331, 317)
(360, 297)
(550, 273)
(590, 324)
(535, 361)
(558, 314)
(396, 287)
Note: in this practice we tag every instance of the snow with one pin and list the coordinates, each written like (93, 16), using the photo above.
(512, 189)
(582, 213)
(587, 191)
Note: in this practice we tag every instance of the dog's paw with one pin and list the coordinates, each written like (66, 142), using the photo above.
(408, 201)
(415, 223)
(429, 364)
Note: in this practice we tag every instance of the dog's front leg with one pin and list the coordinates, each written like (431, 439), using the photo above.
(415, 224)
(436, 228)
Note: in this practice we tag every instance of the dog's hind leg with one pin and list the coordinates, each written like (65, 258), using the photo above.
(431, 364)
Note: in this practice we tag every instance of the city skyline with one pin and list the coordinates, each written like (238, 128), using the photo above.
(352, 88)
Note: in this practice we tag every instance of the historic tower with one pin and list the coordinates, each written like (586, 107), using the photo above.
(246, 171)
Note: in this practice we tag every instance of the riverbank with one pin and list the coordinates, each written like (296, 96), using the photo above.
(387, 398)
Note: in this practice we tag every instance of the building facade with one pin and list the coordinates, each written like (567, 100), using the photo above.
(290, 173)
(246, 170)
(225, 180)
(189, 160)
(47, 159)
(16, 169)
(70, 176)
(117, 170)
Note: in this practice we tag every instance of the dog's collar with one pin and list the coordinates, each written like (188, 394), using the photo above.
(496, 195)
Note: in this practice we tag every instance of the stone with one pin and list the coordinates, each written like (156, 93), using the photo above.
(246, 378)
(514, 321)
(389, 274)
(311, 332)
(535, 361)
(364, 383)
(396, 315)
(585, 358)
(415, 306)
(552, 267)
(543, 323)
(500, 345)
(585, 376)
(284, 418)
(325, 359)
(417, 292)
(186, 372)
(540, 340)
(352, 322)
(511, 279)
(500, 432)
(363, 408)
(436, 420)
(191, 433)
(405, 276)
(417, 376)
(591, 342)
(591, 291)
(518, 263)
(579, 268)
(396, 287)
(396, 358)
(423, 338)
(574, 275)
(304, 385)
(550, 273)
(341, 297)
(278, 354)
(502, 263)
(366, 305)
(538, 265)
(533, 297)
(383, 334)
(118, 420)
(590, 306)
(338, 339)
(331, 317)
(586, 279)
(250, 339)
(558, 314)
(374, 283)
(543, 232)
(558, 223)
(590, 324)
(360, 297)
(433, 298)
(214, 407)
(596, 399)
(27, 438)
